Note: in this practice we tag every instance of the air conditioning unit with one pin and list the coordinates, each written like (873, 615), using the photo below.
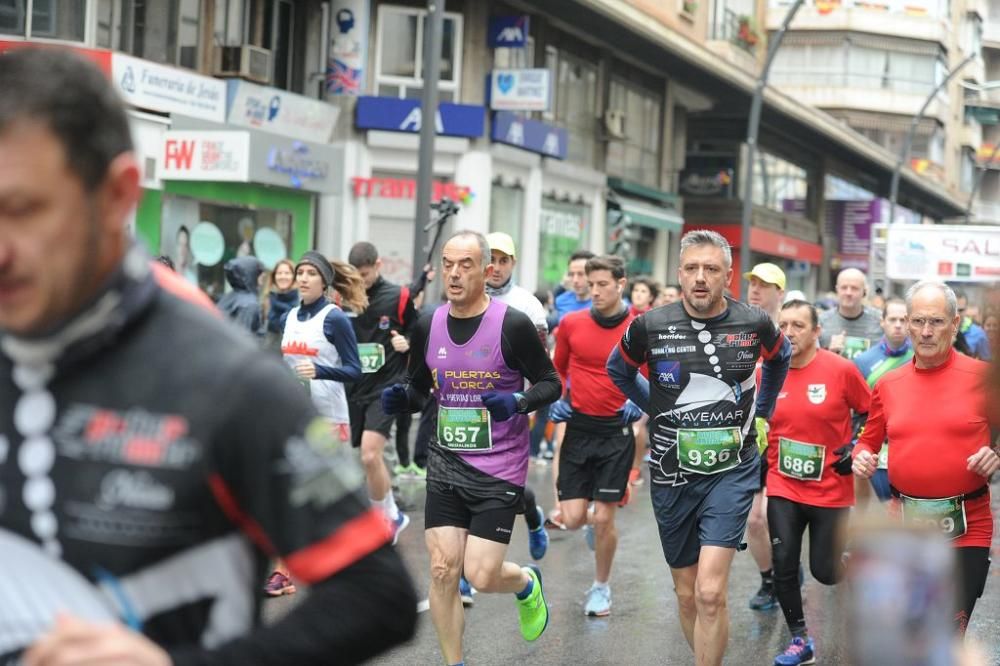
(614, 123)
(246, 62)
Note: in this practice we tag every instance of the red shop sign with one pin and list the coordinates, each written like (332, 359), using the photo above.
(404, 188)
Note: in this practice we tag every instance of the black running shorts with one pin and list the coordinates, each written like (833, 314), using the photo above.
(488, 516)
(368, 416)
(595, 467)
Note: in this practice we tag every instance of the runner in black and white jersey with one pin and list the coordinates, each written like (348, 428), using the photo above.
(702, 398)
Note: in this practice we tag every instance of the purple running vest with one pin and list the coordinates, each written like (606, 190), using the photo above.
(462, 373)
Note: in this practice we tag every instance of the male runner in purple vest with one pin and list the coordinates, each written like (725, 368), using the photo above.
(474, 354)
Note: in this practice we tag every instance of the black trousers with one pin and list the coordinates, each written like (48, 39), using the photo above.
(787, 522)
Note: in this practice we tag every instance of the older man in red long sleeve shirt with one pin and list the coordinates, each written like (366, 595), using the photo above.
(933, 413)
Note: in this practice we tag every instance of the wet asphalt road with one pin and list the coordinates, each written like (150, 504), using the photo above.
(643, 626)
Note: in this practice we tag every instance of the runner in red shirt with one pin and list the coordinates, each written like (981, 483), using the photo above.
(809, 482)
(933, 412)
(597, 450)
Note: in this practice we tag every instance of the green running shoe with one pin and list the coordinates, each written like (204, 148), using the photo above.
(417, 471)
(532, 612)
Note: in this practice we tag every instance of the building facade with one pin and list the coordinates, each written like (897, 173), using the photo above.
(270, 126)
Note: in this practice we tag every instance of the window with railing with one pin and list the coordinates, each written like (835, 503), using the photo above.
(733, 21)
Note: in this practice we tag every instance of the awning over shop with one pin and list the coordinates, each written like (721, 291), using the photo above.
(650, 215)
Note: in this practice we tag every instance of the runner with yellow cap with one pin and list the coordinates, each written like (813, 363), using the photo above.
(767, 290)
(500, 285)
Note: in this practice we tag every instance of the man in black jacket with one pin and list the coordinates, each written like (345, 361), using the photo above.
(382, 330)
(151, 458)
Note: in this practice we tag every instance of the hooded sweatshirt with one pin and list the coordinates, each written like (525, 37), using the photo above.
(242, 304)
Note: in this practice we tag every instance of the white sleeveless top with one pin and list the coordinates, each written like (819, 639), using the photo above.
(304, 340)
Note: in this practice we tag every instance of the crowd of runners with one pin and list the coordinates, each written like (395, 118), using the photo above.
(755, 421)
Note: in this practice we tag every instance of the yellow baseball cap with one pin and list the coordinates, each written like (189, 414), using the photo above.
(501, 242)
(769, 273)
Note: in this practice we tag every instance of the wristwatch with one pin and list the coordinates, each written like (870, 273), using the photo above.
(522, 403)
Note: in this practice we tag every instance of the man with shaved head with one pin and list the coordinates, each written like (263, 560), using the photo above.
(852, 327)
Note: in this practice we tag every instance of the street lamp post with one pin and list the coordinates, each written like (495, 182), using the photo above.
(904, 154)
(752, 129)
(433, 26)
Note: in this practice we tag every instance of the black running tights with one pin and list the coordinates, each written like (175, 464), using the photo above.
(973, 568)
(787, 522)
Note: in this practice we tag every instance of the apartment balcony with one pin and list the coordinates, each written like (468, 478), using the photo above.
(735, 38)
(897, 18)
(832, 90)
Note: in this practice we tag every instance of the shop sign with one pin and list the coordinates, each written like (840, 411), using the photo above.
(852, 222)
(345, 70)
(280, 112)
(956, 253)
(716, 183)
(206, 155)
(297, 165)
(519, 89)
(509, 32)
(404, 115)
(405, 188)
(531, 135)
(780, 245)
(149, 85)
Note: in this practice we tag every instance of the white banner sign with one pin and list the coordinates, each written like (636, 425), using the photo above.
(519, 90)
(149, 85)
(280, 112)
(954, 253)
(206, 155)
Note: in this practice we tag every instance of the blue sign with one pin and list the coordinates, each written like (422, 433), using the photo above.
(508, 32)
(404, 115)
(531, 135)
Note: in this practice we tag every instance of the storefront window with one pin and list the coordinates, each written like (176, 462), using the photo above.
(776, 181)
(564, 229)
(201, 237)
(506, 207)
(50, 19)
(636, 157)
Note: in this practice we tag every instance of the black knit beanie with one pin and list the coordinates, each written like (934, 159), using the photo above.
(320, 263)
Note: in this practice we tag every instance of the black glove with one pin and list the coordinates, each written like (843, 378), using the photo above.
(846, 459)
(393, 399)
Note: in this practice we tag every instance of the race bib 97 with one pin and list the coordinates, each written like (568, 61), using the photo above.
(372, 357)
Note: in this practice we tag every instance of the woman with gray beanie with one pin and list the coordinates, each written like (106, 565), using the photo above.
(318, 343)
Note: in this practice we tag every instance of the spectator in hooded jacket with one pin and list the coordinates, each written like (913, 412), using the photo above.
(282, 296)
(242, 304)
